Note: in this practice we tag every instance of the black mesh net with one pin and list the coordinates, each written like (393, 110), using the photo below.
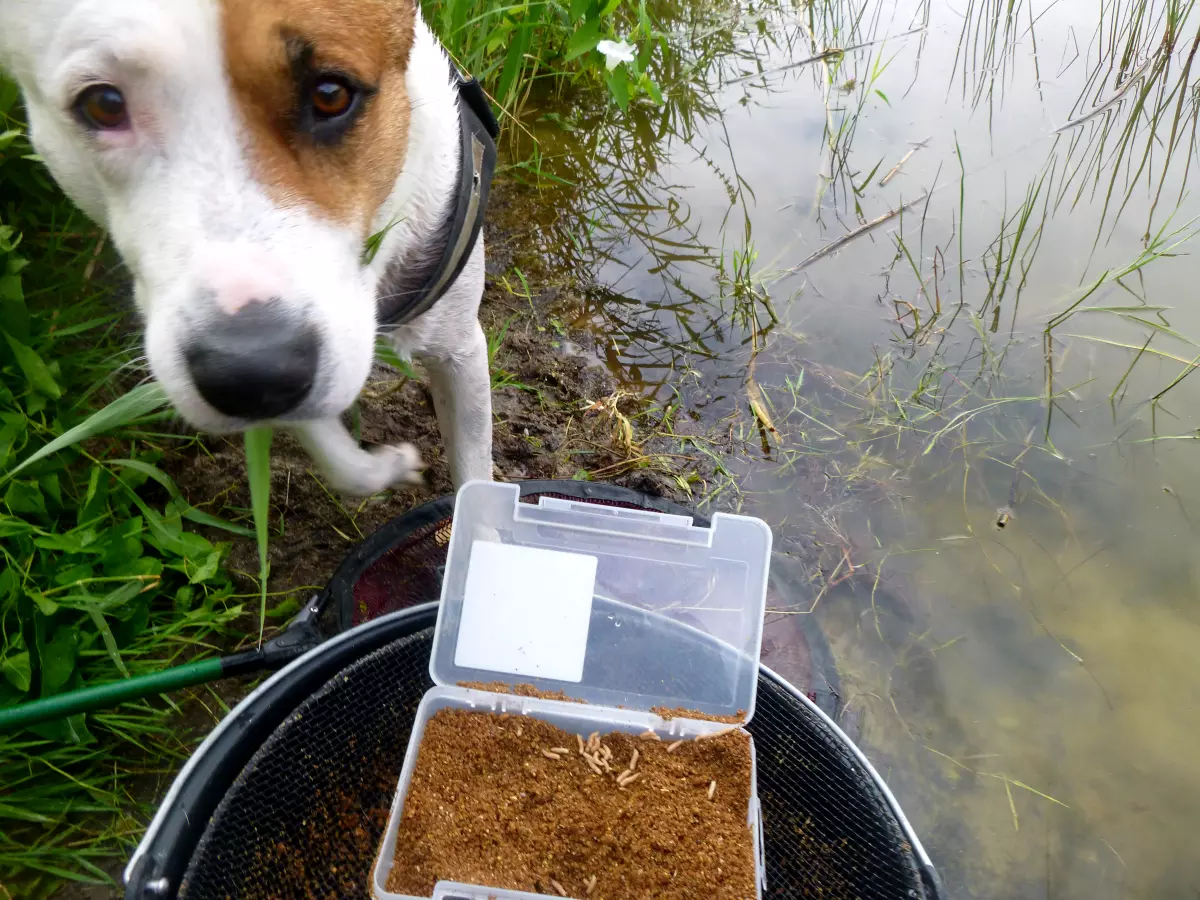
(305, 816)
(405, 576)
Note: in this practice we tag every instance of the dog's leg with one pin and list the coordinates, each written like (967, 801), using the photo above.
(461, 389)
(349, 468)
(448, 341)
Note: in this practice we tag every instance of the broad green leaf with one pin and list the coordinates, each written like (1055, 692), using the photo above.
(10, 434)
(132, 620)
(15, 316)
(285, 610)
(73, 574)
(184, 597)
(498, 39)
(645, 54)
(57, 658)
(653, 90)
(207, 569)
(66, 731)
(165, 532)
(17, 670)
(193, 546)
(34, 367)
(9, 95)
(16, 263)
(8, 584)
(120, 553)
(11, 290)
(50, 487)
(45, 605)
(25, 498)
(141, 401)
(585, 39)
(81, 540)
(618, 85)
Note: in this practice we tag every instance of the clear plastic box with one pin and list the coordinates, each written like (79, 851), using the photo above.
(626, 610)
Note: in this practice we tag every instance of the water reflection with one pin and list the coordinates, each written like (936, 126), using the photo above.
(924, 265)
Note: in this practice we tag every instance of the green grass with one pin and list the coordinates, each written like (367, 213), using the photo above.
(101, 574)
(517, 49)
(258, 473)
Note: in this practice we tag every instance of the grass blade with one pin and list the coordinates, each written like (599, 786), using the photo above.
(258, 471)
(142, 400)
(106, 635)
(189, 512)
(200, 517)
(386, 353)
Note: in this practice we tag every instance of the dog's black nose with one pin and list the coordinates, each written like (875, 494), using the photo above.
(258, 363)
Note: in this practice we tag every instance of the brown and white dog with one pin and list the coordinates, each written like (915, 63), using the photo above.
(240, 153)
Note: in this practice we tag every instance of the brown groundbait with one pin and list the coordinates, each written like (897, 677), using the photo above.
(512, 802)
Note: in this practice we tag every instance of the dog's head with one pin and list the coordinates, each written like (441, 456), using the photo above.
(238, 152)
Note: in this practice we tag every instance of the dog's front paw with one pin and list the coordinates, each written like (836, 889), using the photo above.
(402, 463)
(379, 468)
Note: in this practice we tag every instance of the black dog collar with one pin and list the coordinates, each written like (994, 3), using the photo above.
(476, 166)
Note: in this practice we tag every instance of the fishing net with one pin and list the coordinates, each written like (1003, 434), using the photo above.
(303, 816)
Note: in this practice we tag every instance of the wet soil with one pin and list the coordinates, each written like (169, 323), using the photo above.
(512, 802)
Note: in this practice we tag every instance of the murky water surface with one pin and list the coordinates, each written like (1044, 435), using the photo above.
(934, 296)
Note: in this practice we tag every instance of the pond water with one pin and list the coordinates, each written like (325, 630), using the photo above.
(932, 299)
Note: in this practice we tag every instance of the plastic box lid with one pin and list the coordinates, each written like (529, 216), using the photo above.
(568, 596)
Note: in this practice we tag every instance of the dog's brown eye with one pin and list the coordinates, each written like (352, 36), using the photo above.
(331, 97)
(102, 107)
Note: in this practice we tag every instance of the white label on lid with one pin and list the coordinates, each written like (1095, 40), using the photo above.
(526, 611)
